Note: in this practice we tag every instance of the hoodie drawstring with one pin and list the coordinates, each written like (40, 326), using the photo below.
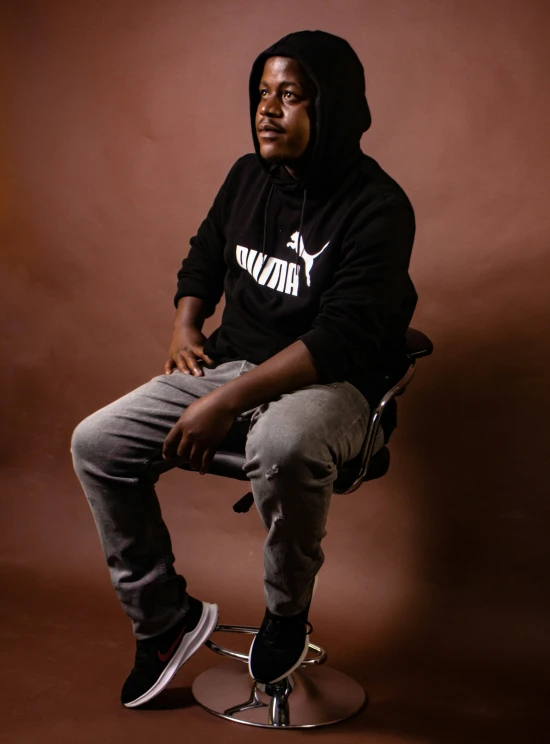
(265, 217)
(300, 244)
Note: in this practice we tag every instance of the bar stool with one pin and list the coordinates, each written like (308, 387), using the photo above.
(313, 695)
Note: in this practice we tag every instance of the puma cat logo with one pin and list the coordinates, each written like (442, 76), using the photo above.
(301, 251)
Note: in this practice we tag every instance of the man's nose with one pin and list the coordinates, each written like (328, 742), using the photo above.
(270, 106)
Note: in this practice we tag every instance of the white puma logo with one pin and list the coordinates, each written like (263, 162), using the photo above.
(301, 251)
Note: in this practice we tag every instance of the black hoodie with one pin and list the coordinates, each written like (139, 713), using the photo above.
(323, 259)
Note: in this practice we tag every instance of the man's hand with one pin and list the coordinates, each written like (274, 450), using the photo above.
(186, 349)
(198, 432)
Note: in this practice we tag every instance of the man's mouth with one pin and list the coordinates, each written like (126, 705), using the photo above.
(269, 129)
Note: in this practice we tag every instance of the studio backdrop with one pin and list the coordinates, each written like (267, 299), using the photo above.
(120, 121)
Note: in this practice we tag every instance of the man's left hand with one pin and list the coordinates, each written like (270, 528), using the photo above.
(198, 433)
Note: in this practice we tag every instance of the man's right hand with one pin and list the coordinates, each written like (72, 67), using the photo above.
(186, 349)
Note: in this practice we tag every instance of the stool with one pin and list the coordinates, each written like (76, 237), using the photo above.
(313, 695)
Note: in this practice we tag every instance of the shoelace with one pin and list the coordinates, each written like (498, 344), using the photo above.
(277, 629)
(143, 654)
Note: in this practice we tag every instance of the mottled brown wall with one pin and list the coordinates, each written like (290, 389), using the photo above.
(122, 118)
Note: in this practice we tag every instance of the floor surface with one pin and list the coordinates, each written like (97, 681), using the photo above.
(441, 664)
(62, 670)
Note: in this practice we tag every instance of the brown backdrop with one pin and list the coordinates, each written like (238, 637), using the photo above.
(121, 120)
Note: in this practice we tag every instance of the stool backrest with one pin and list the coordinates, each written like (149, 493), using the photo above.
(417, 345)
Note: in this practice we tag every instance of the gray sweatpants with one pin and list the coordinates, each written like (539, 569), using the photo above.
(294, 448)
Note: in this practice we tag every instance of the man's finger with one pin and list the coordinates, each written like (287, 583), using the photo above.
(207, 457)
(204, 356)
(195, 456)
(170, 443)
(192, 363)
(182, 365)
(169, 366)
(184, 447)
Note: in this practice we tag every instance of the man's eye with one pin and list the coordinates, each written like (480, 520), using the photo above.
(289, 95)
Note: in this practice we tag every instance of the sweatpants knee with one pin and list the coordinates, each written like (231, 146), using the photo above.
(275, 448)
(277, 453)
(88, 445)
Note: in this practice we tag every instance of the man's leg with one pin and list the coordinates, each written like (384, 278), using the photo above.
(117, 455)
(294, 449)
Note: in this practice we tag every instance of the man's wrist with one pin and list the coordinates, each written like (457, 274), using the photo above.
(184, 324)
(190, 313)
(228, 399)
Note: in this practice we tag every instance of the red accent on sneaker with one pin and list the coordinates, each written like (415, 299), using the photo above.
(165, 657)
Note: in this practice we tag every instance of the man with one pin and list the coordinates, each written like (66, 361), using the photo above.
(310, 241)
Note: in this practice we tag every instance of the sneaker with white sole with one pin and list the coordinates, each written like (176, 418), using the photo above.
(159, 658)
(279, 647)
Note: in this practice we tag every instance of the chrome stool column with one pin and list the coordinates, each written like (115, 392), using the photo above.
(313, 695)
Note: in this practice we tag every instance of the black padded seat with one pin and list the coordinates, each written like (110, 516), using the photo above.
(379, 465)
(229, 460)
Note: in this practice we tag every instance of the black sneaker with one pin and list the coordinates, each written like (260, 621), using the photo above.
(159, 658)
(279, 647)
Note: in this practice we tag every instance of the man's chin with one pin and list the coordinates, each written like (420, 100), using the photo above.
(271, 155)
(274, 156)
(277, 158)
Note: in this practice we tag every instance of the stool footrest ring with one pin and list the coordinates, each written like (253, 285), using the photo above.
(319, 658)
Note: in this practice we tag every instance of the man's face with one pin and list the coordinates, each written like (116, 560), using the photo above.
(283, 116)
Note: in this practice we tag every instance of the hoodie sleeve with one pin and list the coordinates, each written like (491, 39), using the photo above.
(370, 287)
(202, 272)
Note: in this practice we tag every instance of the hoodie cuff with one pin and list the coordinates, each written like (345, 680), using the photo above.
(194, 289)
(328, 352)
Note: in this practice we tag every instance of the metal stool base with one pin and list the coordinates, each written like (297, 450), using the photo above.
(318, 696)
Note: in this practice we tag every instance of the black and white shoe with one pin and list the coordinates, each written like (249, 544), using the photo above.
(159, 658)
(279, 647)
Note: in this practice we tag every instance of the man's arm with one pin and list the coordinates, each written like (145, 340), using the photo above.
(290, 369)
(199, 431)
(369, 288)
(187, 345)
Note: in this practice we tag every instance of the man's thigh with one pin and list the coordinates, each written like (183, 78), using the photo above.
(130, 431)
(326, 421)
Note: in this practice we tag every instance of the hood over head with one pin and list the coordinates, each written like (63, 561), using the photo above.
(341, 109)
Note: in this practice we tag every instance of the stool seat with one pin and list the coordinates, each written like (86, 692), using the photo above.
(229, 460)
